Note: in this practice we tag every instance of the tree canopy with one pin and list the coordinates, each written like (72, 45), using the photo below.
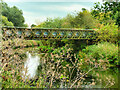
(13, 14)
(5, 22)
(82, 19)
(107, 12)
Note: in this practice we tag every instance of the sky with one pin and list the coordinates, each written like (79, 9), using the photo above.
(37, 11)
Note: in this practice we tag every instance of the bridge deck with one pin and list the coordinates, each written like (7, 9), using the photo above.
(48, 33)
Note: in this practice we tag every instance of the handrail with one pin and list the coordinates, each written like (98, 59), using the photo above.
(46, 28)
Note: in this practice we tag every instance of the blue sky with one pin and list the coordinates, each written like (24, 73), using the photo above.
(37, 11)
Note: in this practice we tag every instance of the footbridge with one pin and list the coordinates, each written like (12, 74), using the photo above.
(47, 33)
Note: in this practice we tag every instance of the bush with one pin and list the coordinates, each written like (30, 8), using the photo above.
(5, 22)
(108, 33)
(45, 49)
(103, 50)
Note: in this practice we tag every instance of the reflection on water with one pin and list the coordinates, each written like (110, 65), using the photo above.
(31, 64)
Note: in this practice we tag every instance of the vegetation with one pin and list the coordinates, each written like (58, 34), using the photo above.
(64, 63)
(13, 14)
(5, 22)
(103, 51)
(107, 33)
(85, 20)
(107, 12)
(59, 69)
(82, 20)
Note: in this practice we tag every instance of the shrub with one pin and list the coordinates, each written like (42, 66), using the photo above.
(45, 49)
(59, 69)
(62, 66)
(103, 50)
(108, 33)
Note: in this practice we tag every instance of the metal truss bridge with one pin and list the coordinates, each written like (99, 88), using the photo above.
(47, 33)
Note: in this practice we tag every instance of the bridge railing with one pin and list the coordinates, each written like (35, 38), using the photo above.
(48, 33)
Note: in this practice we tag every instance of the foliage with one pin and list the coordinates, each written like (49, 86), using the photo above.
(33, 25)
(117, 17)
(5, 22)
(104, 51)
(82, 19)
(60, 68)
(82, 55)
(55, 43)
(108, 9)
(45, 49)
(13, 14)
(108, 33)
(68, 21)
(85, 20)
(51, 23)
(25, 25)
(62, 65)
(105, 19)
(75, 44)
(55, 69)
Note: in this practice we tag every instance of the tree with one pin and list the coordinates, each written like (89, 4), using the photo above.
(25, 25)
(51, 23)
(111, 7)
(83, 9)
(13, 14)
(117, 18)
(85, 20)
(68, 21)
(33, 25)
(5, 22)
